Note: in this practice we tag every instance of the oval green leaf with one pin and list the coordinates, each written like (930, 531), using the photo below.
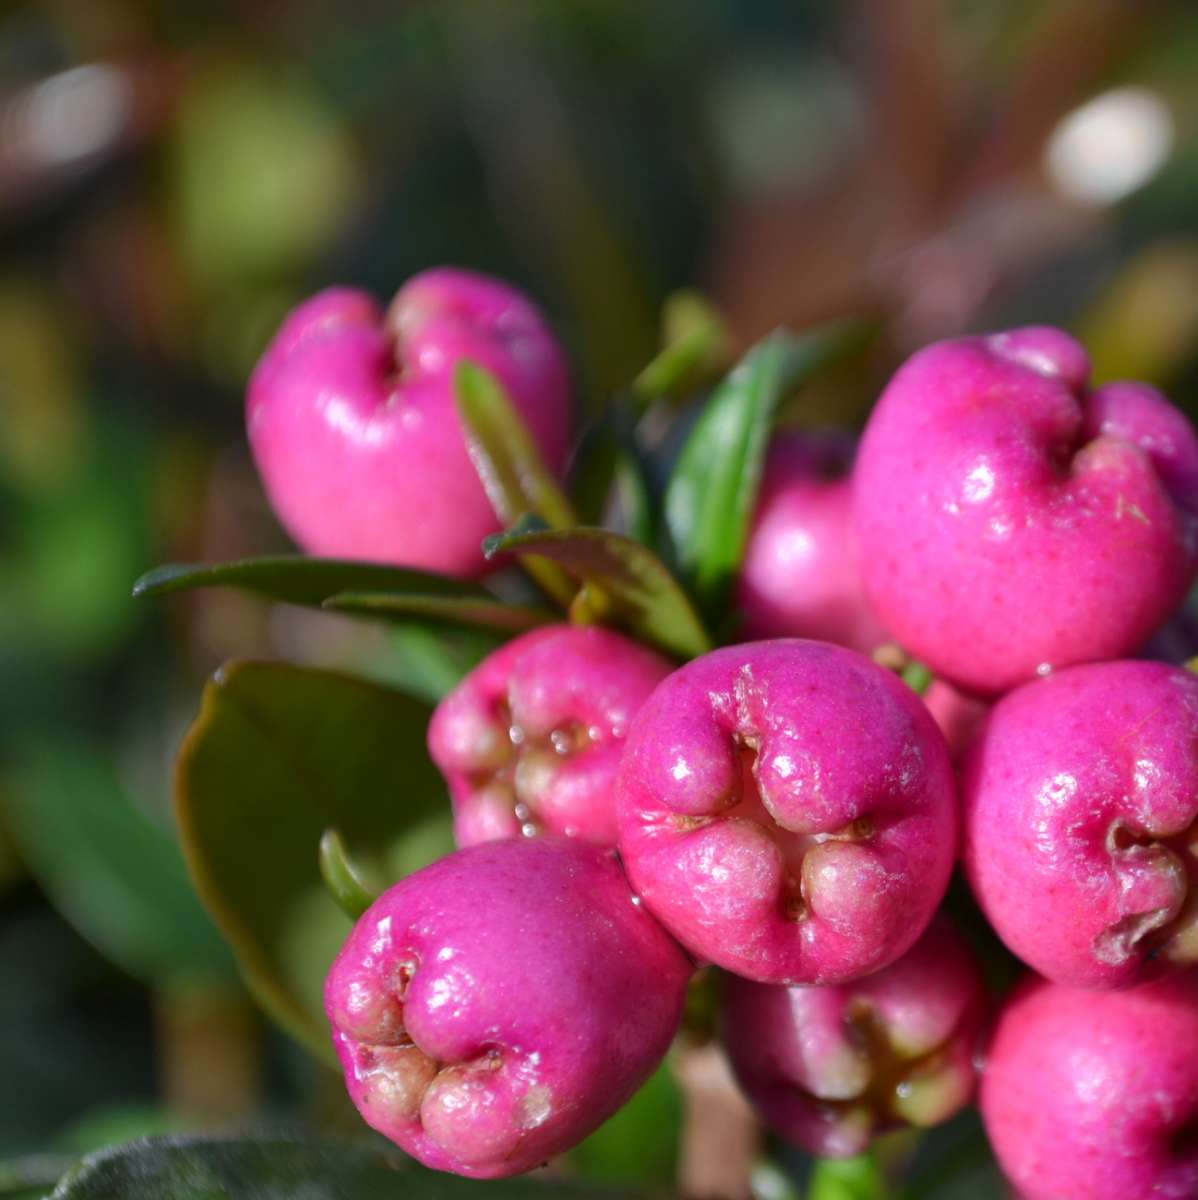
(712, 492)
(281, 1168)
(644, 595)
(278, 755)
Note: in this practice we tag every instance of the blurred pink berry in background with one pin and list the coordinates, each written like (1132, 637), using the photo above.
(801, 576)
(828, 1068)
(353, 425)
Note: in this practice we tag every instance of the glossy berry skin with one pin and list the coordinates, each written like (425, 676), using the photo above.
(1080, 807)
(787, 810)
(530, 740)
(1011, 521)
(353, 426)
(1094, 1096)
(828, 1068)
(800, 576)
(494, 1008)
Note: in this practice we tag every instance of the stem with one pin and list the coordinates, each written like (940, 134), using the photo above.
(720, 1135)
(591, 605)
(917, 677)
(848, 1179)
(209, 1051)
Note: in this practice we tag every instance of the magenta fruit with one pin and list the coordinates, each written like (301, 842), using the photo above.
(800, 576)
(530, 740)
(1011, 520)
(494, 1008)
(830, 1067)
(1094, 1095)
(1081, 822)
(353, 426)
(787, 810)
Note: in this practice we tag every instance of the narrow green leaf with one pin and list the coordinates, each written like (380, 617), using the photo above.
(609, 478)
(848, 1179)
(696, 344)
(278, 755)
(712, 492)
(341, 877)
(429, 662)
(299, 579)
(505, 453)
(643, 593)
(466, 611)
(515, 477)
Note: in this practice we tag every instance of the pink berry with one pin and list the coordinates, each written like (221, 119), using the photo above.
(494, 1008)
(1081, 803)
(1012, 521)
(787, 810)
(353, 426)
(830, 1067)
(958, 715)
(800, 576)
(530, 741)
(1094, 1096)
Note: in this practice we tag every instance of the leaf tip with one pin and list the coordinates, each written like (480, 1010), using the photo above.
(150, 583)
(341, 877)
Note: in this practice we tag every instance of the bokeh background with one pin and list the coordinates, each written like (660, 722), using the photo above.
(174, 176)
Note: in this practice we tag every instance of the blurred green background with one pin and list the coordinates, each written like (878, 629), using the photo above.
(174, 177)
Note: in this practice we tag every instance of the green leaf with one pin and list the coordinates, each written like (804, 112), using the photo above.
(280, 1168)
(429, 662)
(712, 492)
(848, 1179)
(696, 344)
(466, 611)
(505, 453)
(278, 755)
(111, 870)
(639, 1145)
(211, 1168)
(514, 475)
(341, 877)
(32, 1175)
(608, 472)
(643, 593)
(299, 579)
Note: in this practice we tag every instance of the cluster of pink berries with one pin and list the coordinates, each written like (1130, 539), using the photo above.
(788, 809)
